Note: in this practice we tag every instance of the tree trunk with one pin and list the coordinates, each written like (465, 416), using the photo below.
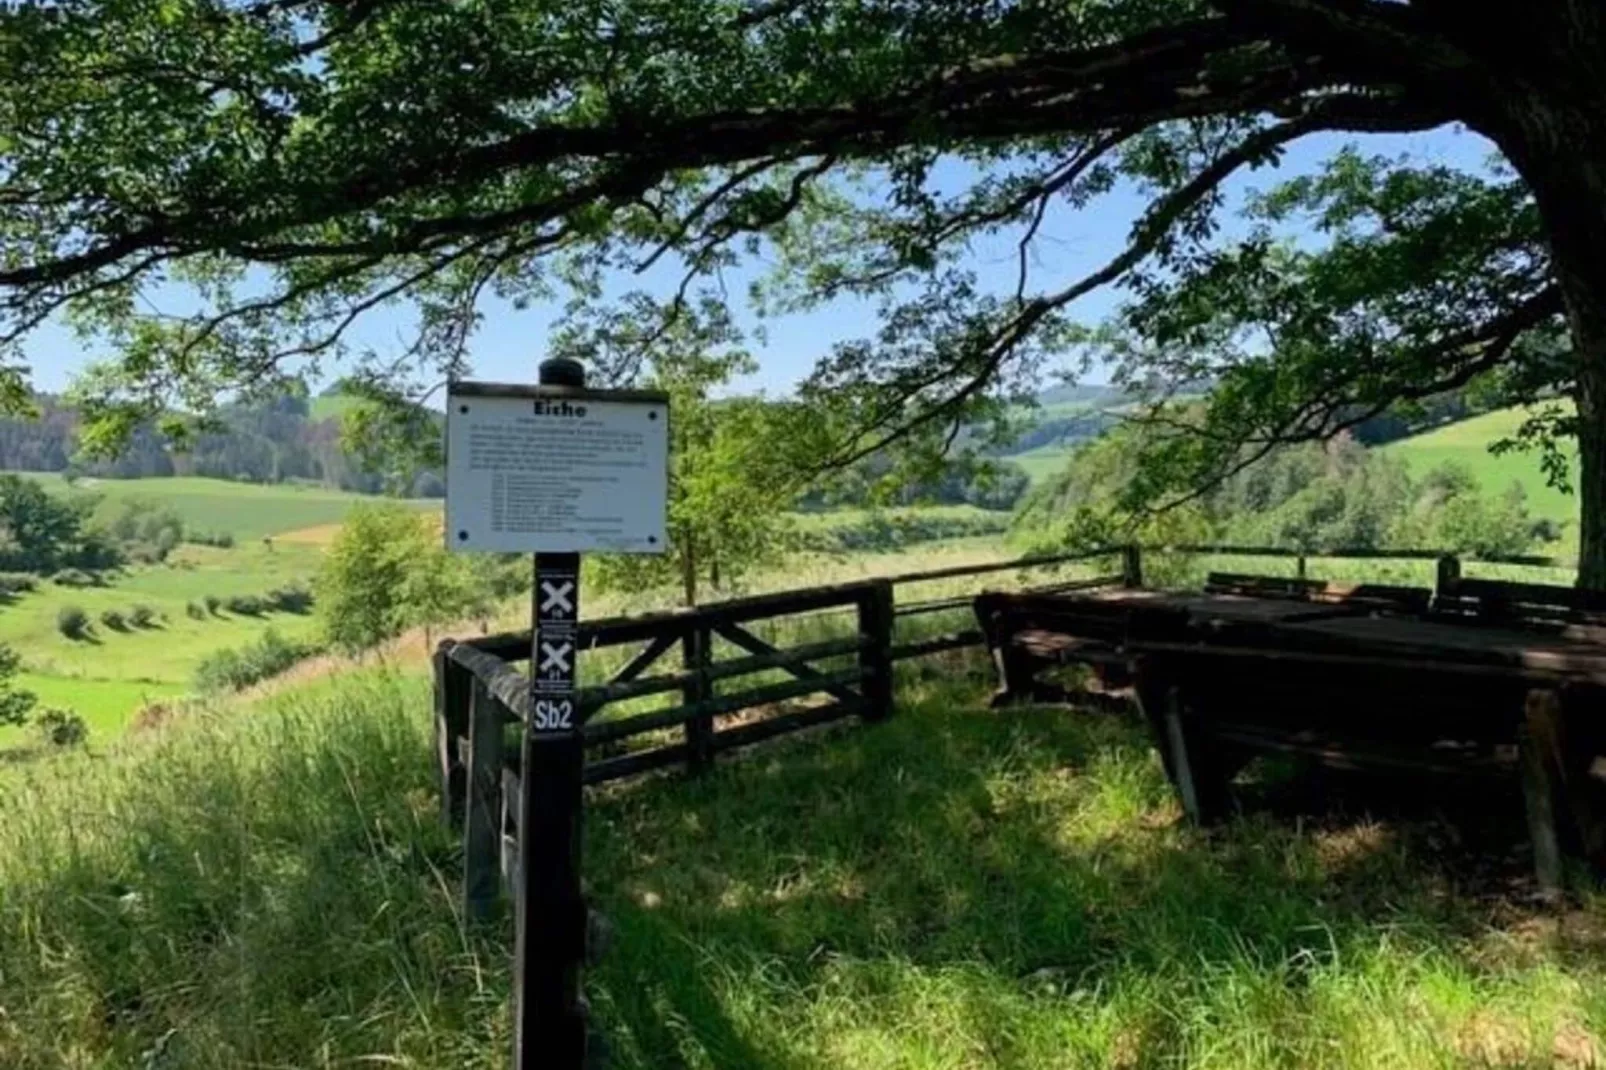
(688, 571)
(1552, 126)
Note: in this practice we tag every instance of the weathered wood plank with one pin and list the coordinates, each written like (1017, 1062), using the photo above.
(452, 696)
(644, 660)
(594, 698)
(599, 732)
(753, 644)
(699, 654)
(877, 618)
(1540, 794)
(782, 724)
(482, 832)
(642, 761)
(937, 645)
(1570, 755)
(1358, 754)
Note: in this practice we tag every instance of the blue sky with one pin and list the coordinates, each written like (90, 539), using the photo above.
(511, 343)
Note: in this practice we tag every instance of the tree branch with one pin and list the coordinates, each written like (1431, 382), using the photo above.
(1164, 74)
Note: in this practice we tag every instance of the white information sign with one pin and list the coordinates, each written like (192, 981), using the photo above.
(554, 470)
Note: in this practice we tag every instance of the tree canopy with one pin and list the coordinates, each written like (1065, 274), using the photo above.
(287, 165)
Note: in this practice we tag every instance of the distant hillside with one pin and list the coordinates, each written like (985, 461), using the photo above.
(288, 439)
(1467, 442)
(244, 510)
(1064, 417)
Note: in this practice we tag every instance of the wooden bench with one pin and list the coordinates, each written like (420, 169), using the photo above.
(1028, 633)
(1507, 602)
(1379, 596)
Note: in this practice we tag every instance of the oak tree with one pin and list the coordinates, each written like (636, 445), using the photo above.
(221, 188)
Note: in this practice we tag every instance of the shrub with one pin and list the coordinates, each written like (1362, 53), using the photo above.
(247, 605)
(62, 728)
(221, 539)
(114, 620)
(144, 554)
(213, 603)
(195, 611)
(142, 616)
(14, 583)
(235, 669)
(290, 599)
(72, 622)
(75, 577)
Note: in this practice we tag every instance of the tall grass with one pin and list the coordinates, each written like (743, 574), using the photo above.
(271, 887)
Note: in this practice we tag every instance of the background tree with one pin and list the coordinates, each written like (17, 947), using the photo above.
(295, 164)
(735, 468)
(363, 586)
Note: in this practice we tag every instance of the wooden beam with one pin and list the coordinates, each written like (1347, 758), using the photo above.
(754, 645)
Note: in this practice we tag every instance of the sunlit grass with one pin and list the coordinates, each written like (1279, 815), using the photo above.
(956, 888)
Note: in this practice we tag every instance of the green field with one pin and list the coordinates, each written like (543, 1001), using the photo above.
(107, 678)
(955, 889)
(835, 518)
(1467, 442)
(245, 510)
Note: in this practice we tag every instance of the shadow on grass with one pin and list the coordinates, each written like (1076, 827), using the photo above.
(954, 888)
(819, 888)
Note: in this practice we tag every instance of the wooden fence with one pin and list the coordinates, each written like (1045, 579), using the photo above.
(481, 690)
(845, 672)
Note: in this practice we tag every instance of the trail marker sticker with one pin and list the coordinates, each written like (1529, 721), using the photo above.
(556, 469)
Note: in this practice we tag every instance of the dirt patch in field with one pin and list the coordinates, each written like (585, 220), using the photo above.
(317, 535)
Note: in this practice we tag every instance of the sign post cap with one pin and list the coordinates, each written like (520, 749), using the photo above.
(562, 371)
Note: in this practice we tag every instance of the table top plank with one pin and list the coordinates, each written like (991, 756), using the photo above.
(1294, 625)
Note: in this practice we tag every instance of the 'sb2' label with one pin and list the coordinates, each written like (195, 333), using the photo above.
(553, 714)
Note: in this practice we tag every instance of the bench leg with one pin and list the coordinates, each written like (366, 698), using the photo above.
(1539, 800)
(1561, 759)
(1017, 673)
(1196, 766)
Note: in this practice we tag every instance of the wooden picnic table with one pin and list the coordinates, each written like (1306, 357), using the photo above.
(1221, 677)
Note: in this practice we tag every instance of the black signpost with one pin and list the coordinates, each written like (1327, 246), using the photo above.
(549, 1013)
(559, 470)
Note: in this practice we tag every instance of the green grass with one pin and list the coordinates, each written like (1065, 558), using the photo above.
(332, 407)
(956, 888)
(249, 511)
(168, 652)
(1467, 442)
(107, 678)
(834, 518)
(107, 706)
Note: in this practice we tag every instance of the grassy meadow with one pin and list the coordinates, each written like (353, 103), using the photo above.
(1467, 442)
(264, 881)
(107, 677)
(269, 885)
(248, 511)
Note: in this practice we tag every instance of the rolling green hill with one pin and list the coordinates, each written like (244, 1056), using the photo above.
(107, 677)
(1467, 442)
(245, 510)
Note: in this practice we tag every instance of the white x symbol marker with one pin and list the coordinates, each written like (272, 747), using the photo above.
(557, 597)
(555, 656)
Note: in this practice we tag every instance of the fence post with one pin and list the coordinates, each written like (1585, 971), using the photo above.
(1132, 565)
(482, 824)
(876, 619)
(697, 654)
(1449, 575)
(1299, 566)
(452, 696)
